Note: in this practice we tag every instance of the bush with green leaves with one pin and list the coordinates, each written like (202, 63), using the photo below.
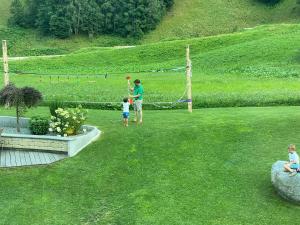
(39, 125)
(54, 105)
(20, 98)
(68, 121)
(270, 2)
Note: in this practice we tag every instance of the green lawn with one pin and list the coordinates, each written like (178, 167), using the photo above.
(209, 167)
(254, 67)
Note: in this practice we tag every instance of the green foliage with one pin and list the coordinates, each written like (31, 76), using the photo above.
(39, 125)
(17, 12)
(21, 98)
(68, 121)
(55, 104)
(270, 2)
(64, 18)
(59, 25)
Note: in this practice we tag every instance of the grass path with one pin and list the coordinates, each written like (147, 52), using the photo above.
(211, 167)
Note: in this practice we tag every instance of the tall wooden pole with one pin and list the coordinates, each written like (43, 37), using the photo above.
(189, 79)
(5, 63)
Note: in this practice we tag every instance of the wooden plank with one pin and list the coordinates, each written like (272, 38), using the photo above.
(47, 157)
(2, 159)
(52, 157)
(33, 159)
(38, 158)
(42, 158)
(56, 157)
(27, 158)
(12, 158)
(5, 62)
(22, 158)
(18, 158)
(59, 156)
(7, 159)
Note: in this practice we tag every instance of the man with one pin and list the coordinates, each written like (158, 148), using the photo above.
(138, 92)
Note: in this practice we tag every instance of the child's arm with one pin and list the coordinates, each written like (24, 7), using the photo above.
(129, 86)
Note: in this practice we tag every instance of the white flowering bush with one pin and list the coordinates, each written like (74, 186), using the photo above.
(67, 121)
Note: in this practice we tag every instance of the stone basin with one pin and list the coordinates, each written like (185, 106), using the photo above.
(286, 186)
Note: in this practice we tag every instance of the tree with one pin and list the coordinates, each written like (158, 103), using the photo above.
(60, 26)
(92, 20)
(63, 18)
(169, 3)
(270, 2)
(17, 11)
(21, 98)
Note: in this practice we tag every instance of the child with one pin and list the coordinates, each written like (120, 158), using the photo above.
(125, 111)
(293, 165)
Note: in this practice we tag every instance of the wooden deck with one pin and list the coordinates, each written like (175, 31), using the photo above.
(14, 158)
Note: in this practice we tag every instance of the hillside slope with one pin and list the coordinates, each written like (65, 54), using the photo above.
(257, 67)
(271, 49)
(194, 18)
(4, 11)
(188, 18)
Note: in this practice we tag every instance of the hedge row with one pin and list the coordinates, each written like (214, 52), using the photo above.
(196, 105)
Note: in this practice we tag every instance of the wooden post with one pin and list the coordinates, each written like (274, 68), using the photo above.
(189, 79)
(5, 63)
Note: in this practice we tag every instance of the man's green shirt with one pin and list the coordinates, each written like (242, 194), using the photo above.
(138, 90)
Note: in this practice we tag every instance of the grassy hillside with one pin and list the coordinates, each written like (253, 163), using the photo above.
(255, 67)
(4, 11)
(24, 42)
(188, 18)
(211, 167)
(194, 18)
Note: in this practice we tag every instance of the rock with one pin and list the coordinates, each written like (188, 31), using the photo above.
(287, 187)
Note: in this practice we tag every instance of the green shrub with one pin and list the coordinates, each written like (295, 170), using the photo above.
(54, 105)
(270, 2)
(68, 121)
(39, 125)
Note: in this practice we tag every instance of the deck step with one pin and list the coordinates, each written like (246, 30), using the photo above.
(14, 158)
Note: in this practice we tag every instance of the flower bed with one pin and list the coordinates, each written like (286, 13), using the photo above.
(70, 145)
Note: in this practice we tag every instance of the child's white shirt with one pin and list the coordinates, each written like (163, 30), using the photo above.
(294, 157)
(126, 106)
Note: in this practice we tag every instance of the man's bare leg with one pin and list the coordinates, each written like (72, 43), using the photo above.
(141, 116)
(135, 119)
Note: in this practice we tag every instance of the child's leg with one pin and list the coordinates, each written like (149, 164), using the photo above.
(288, 168)
(126, 122)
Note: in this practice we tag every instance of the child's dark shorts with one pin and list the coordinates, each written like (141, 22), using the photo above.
(125, 115)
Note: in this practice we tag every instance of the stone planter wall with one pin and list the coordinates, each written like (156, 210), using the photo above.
(69, 145)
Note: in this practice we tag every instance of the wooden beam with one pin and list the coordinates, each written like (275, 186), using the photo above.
(5, 63)
(189, 79)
